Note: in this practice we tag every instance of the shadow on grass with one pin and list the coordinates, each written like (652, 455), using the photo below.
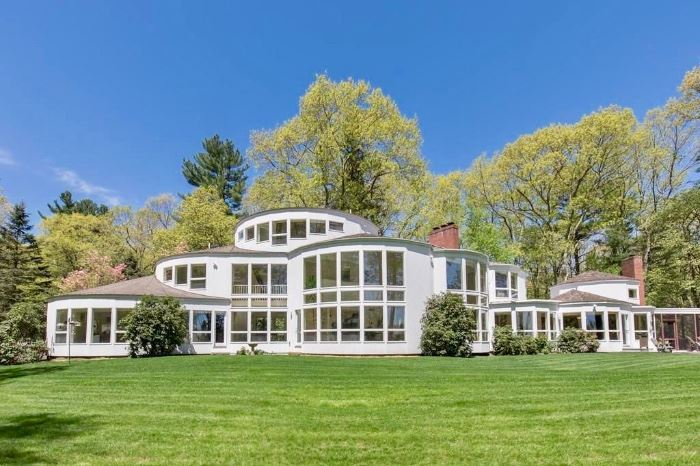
(15, 372)
(41, 430)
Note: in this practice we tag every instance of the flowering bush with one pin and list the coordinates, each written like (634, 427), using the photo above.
(96, 270)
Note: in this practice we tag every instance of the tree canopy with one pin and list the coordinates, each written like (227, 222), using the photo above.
(66, 205)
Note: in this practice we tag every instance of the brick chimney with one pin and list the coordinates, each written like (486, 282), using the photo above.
(445, 236)
(633, 267)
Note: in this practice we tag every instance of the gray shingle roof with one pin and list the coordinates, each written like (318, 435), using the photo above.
(576, 296)
(592, 276)
(137, 287)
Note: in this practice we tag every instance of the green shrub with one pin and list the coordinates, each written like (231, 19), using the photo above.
(507, 343)
(447, 326)
(22, 334)
(575, 340)
(156, 326)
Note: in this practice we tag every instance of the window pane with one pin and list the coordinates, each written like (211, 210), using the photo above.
(396, 336)
(454, 274)
(239, 337)
(310, 298)
(310, 319)
(394, 268)
(350, 268)
(298, 229)
(514, 280)
(392, 295)
(317, 226)
(328, 270)
(277, 240)
(202, 337)
(201, 321)
(259, 278)
(258, 337)
(240, 278)
(502, 319)
(181, 275)
(395, 316)
(329, 336)
(258, 321)
(523, 321)
(374, 336)
(329, 318)
(350, 336)
(541, 321)
(640, 322)
(168, 274)
(79, 329)
(62, 320)
(501, 280)
(101, 325)
(329, 296)
(350, 318)
(471, 275)
(198, 284)
(349, 295)
(309, 272)
(572, 321)
(279, 277)
(263, 232)
(612, 320)
(278, 321)
(482, 277)
(249, 233)
(373, 267)
(310, 336)
(239, 321)
(279, 227)
(374, 317)
(335, 226)
(374, 295)
(594, 321)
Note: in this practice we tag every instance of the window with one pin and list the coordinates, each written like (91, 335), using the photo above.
(640, 326)
(240, 235)
(61, 326)
(240, 278)
(181, 275)
(279, 232)
(514, 285)
(328, 270)
(542, 324)
(395, 323)
(309, 272)
(249, 233)
(350, 323)
(335, 226)
(374, 295)
(201, 326)
(374, 323)
(482, 277)
(120, 329)
(594, 324)
(329, 323)
(350, 268)
(258, 326)
(310, 325)
(310, 298)
(350, 295)
(79, 328)
(483, 326)
(572, 321)
(454, 274)
(501, 285)
(471, 275)
(503, 319)
(278, 274)
(373, 267)
(263, 232)
(472, 300)
(317, 227)
(632, 293)
(394, 268)
(258, 275)
(329, 296)
(297, 229)
(394, 295)
(258, 302)
(198, 276)
(613, 330)
(239, 326)
(523, 322)
(278, 326)
(168, 274)
(101, 326)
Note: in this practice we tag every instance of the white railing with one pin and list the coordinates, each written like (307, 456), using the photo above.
(259, 289)
(240, 289)
(279, 289)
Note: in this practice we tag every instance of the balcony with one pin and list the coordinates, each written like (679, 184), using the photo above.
(259, 289)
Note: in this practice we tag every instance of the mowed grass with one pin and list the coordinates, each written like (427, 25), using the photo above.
(556, 409)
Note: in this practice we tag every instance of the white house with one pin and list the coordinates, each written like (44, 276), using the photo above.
(322, 281)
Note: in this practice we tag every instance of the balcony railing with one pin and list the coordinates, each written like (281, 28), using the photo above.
(259, 289)
(240, 289)
(279, 289)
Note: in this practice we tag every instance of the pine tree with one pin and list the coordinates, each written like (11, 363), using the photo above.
(23, 273)
(66, 205)
(221, 166)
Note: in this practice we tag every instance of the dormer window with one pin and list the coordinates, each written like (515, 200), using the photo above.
(198, 276)
(263, 232)
(297, 229)
(279, 232)
(632, 293)
(335, 226)
(317, 227)
(249, 233)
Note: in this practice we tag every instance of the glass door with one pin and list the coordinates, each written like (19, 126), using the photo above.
(219, 328)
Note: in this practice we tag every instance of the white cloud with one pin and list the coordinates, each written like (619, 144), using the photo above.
(74, 180)
(6, 158)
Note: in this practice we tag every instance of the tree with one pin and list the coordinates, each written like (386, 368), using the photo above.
(220, 166)
(66, 205)
(95, 270)
(348, 148)
(23, 274)
(447, 326)
(673, 275)
(67, 239)
(203, 220)
(155, 327)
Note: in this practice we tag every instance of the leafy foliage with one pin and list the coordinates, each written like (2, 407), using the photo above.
(507, 343)
(66, 205)
(155, 327)
(576, 340)
(220, 166)
(447, 327)
(22, 333)
(95, 270)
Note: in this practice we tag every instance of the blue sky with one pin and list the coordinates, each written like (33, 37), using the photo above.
(106, 98)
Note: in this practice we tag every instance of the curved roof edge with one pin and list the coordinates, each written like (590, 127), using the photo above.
(341, 213)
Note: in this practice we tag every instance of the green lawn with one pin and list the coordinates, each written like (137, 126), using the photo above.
(603, 408)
